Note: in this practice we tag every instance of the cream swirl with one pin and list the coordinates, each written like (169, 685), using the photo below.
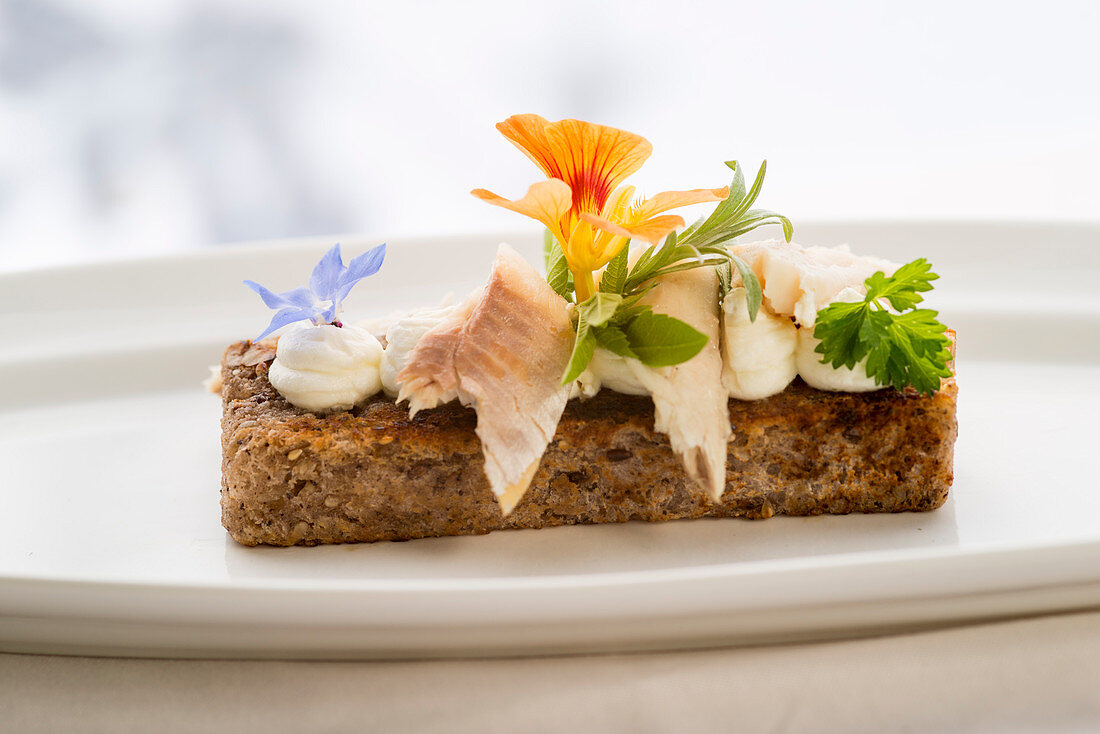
(326, 368)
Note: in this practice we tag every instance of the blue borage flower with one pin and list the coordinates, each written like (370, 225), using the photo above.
(329, 284)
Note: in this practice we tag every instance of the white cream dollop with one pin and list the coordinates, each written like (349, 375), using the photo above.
(402, 335)
(758, 357)
(326, 368)
(824, 376)
(609, 370)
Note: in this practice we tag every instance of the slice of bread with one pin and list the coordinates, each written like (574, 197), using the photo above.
(291, 477)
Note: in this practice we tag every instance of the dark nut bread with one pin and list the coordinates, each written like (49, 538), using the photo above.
(290, 477)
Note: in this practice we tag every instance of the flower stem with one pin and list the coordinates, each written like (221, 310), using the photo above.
(584, 284)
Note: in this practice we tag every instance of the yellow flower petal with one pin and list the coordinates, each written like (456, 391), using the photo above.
(618, 204)
(547, 201)
(650, 230)
(666, 200)
(579, 248)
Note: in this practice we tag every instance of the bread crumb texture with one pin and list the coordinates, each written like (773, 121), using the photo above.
(292, 477)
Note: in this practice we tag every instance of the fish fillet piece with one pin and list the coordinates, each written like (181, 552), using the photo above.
(404, 331)
(504, 357)
(428, 378)
(797, 280)
(689, 399)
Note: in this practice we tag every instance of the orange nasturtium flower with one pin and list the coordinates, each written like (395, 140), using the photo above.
(582, 203)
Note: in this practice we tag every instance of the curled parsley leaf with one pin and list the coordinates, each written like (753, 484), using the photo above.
(906, 348)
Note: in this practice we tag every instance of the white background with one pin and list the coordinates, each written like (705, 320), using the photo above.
(139, 128)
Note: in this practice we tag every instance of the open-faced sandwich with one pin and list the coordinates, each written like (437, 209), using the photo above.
(654, 372)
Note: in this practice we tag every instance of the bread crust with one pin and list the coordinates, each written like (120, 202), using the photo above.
(292, 477)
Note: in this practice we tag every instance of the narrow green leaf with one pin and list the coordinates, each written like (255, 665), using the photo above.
(753, 193)
(737, 186)
(733, 216)
(753, 293)
(724, 212)
(661, 341)
(583, 349)
(630, 307)
(709, 261)
(548, 243)
(725, 282)
(690, 230)
(613, 279)
(645, 257)
(557, 268)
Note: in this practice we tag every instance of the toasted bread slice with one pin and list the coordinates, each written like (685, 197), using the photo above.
(292, 477)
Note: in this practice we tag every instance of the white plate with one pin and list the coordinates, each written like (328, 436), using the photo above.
(110, 540)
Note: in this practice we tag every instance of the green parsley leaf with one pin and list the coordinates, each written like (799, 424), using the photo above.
(904, 287)
(661, 341)
(838, 329)
(901, 349)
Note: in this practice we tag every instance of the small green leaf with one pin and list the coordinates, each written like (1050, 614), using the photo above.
(903, 288)
(753, 293)
(661, 341)
(725, 281)
(614, 340)
(752, 194)
(733, 216)
(548, 242)
(614, 276)
(583, 349)
(687, 233)
(671, 257)
(630, 307)
(838, 329)
(557, 268)
(599, 309)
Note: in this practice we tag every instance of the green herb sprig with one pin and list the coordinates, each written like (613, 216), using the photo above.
(614, 318)
(909, 347)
